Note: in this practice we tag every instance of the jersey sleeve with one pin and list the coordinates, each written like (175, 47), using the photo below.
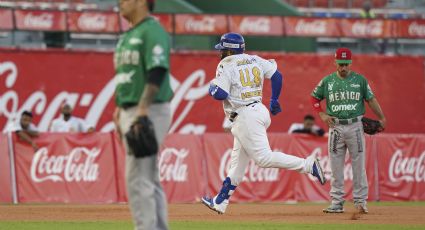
(269, 67)
(368, 93)
(156, 49)
(221, 79)
(319, 91)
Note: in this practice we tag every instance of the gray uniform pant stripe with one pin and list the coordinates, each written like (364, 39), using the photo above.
(342, 138)
(146, 197)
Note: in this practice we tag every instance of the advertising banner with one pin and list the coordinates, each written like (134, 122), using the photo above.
(40, 20)
(401, 167)
(5, 171)
(311, 27)
(67, 168)
(200, 24)
(6, 19)
(99, 22)
(256, 25)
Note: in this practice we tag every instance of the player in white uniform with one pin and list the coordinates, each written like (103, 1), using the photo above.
(239, 84)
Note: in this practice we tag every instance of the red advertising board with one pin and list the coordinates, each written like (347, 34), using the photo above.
(411, 28)
(76, 168)
(103, 22)
(181, 168)
(40, 20)
(86, 83)
(200, 24)
(311, 27)
(6, 19)
(5, 173)
(364, 28)
(401, 167)
(256, 25)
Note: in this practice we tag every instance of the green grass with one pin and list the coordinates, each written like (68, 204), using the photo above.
(192, 225)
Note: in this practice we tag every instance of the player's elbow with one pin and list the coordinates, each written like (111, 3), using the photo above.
(217, 92)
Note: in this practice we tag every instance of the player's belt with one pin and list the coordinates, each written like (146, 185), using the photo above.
(233, 115)
(348, 121)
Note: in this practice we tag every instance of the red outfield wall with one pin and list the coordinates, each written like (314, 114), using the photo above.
(90, 169)
(41, 80)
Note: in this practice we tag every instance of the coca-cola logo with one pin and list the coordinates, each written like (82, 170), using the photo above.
(410, 169)
(172, 166)
(78, 165)
(259, 25)
(40, 21)
(92, 22)
(314, 27)
(371, 28)
(253, 172)
(205, 24)
(186, 93)
(416, 29)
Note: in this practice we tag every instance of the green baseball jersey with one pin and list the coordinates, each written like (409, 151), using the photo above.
(140, 49)
(344, 96)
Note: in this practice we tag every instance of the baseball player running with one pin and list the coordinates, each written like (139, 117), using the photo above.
(239, 84)
(345, 92)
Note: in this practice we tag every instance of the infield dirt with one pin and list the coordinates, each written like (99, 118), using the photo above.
(296, 213)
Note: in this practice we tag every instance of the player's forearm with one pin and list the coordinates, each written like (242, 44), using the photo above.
(147, 98)
(376, 108)
(32, 133)
(277, 81)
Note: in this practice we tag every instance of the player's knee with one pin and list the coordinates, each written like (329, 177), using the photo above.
(262, 161)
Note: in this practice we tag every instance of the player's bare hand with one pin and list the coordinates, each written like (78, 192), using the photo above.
(329, 120)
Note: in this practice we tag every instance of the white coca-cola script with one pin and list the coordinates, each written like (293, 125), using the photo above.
(257, 25)
(205, 24)
(314, 27)
(409, 169)
(372, 28)
(41, 21)
(172, 166)
(92, 22)
(416, 29)
(186, 93)
(75, 166)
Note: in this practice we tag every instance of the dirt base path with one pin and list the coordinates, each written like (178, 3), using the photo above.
(299, 213)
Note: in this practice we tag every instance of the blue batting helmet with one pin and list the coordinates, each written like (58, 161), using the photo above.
(231, 41)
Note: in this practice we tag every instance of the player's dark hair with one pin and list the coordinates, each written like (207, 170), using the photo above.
(26, 113)
(308, 117)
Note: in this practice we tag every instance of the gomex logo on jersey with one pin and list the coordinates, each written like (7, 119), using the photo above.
(172, 166)
(77, 165)
(410, 169)
(253, 172)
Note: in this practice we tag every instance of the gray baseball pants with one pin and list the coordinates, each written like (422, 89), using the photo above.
(146, 197)
(341, 138)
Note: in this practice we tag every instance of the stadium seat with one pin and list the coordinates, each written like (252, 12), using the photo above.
(340, 3)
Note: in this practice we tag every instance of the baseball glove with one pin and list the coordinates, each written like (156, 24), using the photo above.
(141, 138)
(371, 126)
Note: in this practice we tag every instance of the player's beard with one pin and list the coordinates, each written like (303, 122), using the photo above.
(343, 73)
(66, 116)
